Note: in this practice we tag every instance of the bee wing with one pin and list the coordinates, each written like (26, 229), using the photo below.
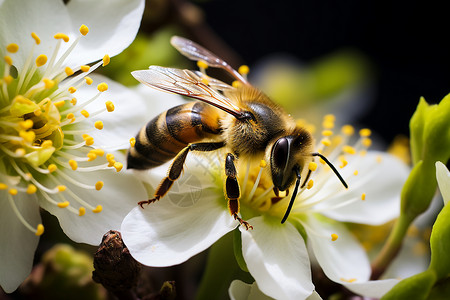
(214, 83)
(186, 83)
(196, 52)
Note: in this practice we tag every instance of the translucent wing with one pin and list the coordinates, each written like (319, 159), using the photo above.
(186, 83)
(196, 52)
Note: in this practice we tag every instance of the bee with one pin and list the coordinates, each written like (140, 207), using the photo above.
(238, 118)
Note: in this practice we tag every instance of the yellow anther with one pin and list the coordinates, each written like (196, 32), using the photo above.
(334, 237)
(13, 192)
(348, 130)
(363, 152)
(205, 80)
(379, 159)
(73, 101)
(52, 168)
(70, 116)
(12, 48)
(98, 209)
(59, 104)
(326, 142)
(244, 70)
(63, 204)
(202, 64)
(62, 36)
(68, 71)
(84, 113)
(365, 132)
(102, 87)
(8, 60)
(48, 83)
(84, 29)
(41, 60)
(3, 186)
(109, 106)
(72, 89)
(328, 124)
(28, 176)
(262, 163)
(47, 144)
(236, 84)
(118, 166)
(106, 60)
(28, 136)
(366, 142)
(110, 157)
(39, 230)
(329, 118)
(355, 173)
(36, 38)
(344, 162)
(73, 164)
(99, 185)
(132, 142)
(61, 188)
(20, 152)
(8, 79)
(348, 280)
(91, 156)
(98, 151)
(98, 125)
(348, 149)
(363, 196)
(327, 133)
(85, 68)
(27, 124)
(81, 211)
(310, 184)
(89, 141)
(89, 80)
(312, 166)
(31, 189)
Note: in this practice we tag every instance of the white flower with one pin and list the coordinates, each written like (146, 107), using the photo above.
(443, 179)
(242, 291)
(188, 220)
(59, 134)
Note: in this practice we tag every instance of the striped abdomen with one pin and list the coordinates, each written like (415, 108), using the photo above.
(168, 133)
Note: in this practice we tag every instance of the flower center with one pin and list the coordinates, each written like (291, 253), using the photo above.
(44, 130)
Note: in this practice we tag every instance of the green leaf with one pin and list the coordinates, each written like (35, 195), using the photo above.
(440, 244)
(416, 287)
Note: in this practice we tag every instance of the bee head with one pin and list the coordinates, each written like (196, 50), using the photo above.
(288, 156)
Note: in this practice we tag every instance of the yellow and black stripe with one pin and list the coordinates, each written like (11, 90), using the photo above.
(168, 133)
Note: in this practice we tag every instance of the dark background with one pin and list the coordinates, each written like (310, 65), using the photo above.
(406, 42)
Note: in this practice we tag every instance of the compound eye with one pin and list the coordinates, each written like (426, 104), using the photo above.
(280, 152)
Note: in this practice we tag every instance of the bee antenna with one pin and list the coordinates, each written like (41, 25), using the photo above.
(332, 168)
(288, 210)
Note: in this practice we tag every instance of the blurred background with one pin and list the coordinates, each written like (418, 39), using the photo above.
(368, 62)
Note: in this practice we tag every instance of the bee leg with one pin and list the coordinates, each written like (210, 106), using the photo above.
(232, 190)
(177, 167)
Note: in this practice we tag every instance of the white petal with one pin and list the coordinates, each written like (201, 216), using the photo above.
(381, 182)
(132, 110)
(120, 193)
(341, 260)
(242, 291)
(113, 26)
(166, 234)
(277, 258)
(372, 289)
(19, 18)
(18, 243)
(443, 179)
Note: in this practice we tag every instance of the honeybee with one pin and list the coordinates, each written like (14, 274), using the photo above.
(238, 118)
